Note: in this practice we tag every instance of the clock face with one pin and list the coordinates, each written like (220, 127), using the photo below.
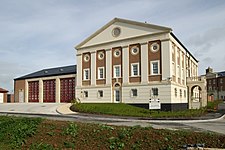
(116, 31)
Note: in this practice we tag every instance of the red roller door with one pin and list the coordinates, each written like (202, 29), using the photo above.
(49, 91)
(33, 91)
(67, 90)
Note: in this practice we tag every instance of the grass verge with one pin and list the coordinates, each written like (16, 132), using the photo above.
(51, 135)
(15, 130)
(128, 110)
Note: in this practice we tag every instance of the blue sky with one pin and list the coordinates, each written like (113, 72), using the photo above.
(40, 34)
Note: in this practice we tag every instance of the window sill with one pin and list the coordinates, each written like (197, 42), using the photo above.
(135, 76)
(100, 79)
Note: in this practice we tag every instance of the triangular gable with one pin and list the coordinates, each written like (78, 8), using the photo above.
(128, 28)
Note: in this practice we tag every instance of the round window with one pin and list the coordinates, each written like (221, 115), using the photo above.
(154, 47)
(135, 50)
(117, 53)
(101, 55)
(116, 32)
(86, 57)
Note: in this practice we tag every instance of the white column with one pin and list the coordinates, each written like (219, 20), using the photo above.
(166, 55)
(108, 67)
(26, 91)
(93, 68)
(79, 71)
(40, 91)
(125, 63)
(144, 63)
(57, 90)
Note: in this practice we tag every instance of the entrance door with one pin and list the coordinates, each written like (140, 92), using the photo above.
(21, 96)
(117, 95)
(1, 97)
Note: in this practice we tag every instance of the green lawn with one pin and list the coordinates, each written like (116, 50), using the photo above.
(128, 110)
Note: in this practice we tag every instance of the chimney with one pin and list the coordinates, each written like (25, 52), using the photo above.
(209, 70)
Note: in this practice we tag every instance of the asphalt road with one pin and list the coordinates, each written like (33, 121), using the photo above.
(49, 111)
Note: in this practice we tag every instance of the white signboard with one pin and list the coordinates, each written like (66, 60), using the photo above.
(21, 96)
(1, 97)
(154, 104)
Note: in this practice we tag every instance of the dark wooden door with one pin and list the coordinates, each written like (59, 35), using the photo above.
(33, 91)
(67, 90)
(49, 91)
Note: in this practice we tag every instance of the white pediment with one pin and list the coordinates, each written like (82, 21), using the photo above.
(128, 29)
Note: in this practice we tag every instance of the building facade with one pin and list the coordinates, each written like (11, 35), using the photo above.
(132, 62)
(3, 95)
(215, 85)
(54, 85)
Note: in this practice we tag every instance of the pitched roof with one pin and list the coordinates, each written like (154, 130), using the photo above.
(123, 21)
(221, 74)
(3, 90)
(51, 72)
(167, 29)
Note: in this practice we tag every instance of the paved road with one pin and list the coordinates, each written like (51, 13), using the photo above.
(48, 110)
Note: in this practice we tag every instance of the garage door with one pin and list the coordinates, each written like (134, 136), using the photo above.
(1, 97)
(33, 92)
(67, 90)
(49, 91)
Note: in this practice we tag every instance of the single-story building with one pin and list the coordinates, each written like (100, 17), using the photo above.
(3, 95)
(47, 85)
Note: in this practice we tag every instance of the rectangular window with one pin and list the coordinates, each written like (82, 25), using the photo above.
(180, 93)
(85, 93)
(117, 72)
(86, 74)
(155, 91)
(100, 93)
(133, 92)
(175, 90)
(214, 81)
(135, 69)
(221, 88)
(221, 80)
(210, 82)
(100, 72)
(154, 67)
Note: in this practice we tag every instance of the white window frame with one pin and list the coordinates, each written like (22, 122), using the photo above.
(132, 92)
(132, 70)
(114, 71)
(84, 75)
(99, 96)
(85, 92)
(103, 72)
(151, 64)
(155, 92)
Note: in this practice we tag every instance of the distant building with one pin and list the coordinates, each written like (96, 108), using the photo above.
(48, 85)
(10, 98)
(132, 62)
(215, 84)
(3, 95)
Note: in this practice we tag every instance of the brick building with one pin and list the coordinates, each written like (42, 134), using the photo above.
(132, 62)
(3, 95)
(215, 84)
(48, 85)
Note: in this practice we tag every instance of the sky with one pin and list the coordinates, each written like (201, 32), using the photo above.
(42, 34)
